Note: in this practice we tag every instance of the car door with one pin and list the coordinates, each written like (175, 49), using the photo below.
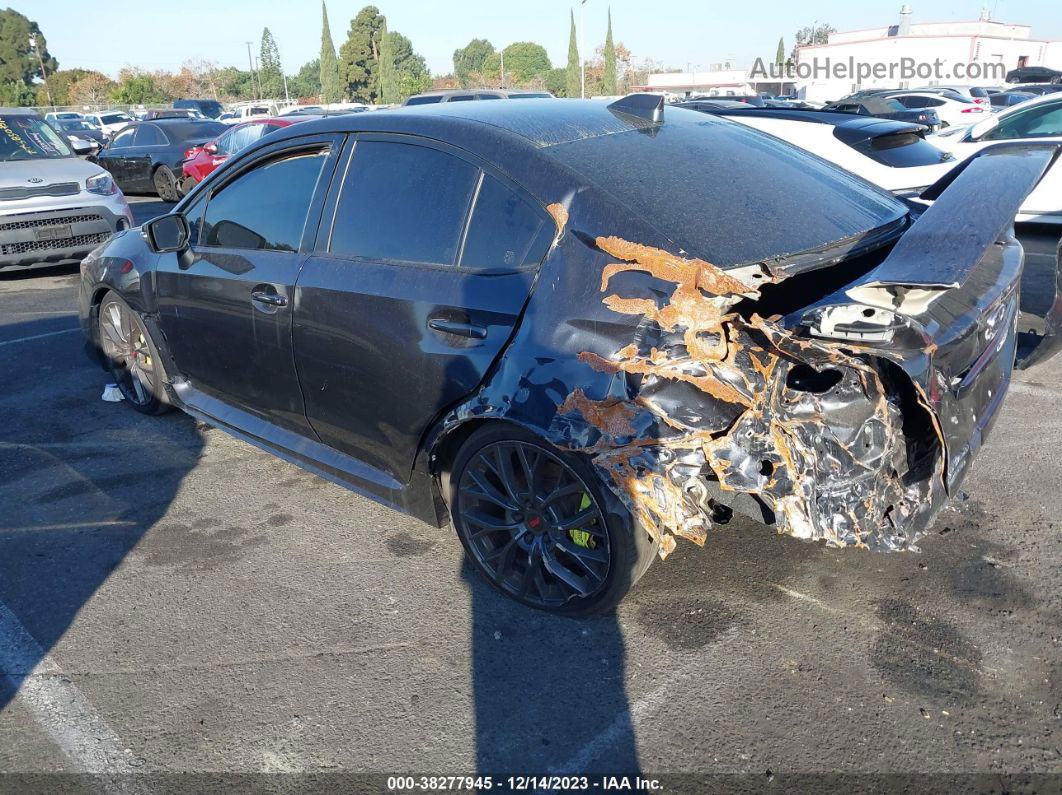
(140, 157)
(226, 304)
(410, 294)
(112, 157)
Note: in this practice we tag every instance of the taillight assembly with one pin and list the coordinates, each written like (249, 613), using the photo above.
(973, 110)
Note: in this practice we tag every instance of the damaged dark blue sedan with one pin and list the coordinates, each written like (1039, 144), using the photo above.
(579, 330)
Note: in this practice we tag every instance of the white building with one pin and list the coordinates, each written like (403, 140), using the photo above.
(911, 54)
(721, 82)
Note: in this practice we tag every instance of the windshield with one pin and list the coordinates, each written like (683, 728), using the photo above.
(30, 138)
(75, 124)
(726, 193)
(114, 118)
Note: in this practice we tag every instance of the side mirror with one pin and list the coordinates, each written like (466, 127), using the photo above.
(211, 148)
(167, 233)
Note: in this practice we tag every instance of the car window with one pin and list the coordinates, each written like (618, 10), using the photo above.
(243, 137)
(194, 215)
(505, 231)
(149, 135)
(423, 100)
(912, 102)
(487, 96)
(225, 143)
(1031, 123)
(264, 208)
(123, 139)
(403, 202)
(461, 98)
(932, 103)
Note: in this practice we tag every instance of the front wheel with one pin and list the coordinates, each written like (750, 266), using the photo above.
(536, 522)
(131, 356)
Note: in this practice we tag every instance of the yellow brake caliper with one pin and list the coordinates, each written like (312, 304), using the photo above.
(581, 537)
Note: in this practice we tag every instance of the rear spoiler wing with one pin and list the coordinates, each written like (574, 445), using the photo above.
(974, 205)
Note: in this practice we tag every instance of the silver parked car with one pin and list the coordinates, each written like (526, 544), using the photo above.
(54, 206)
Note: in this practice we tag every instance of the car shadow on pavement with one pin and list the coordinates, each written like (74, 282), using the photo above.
(549, 692)
(81, 481)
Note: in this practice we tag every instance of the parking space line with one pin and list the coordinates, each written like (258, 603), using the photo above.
(56, 703)
(38, 336)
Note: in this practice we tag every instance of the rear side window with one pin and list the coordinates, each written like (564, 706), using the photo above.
(149, 135)
(903, 149)
(423, 100)
(402, 202)
(264, 208)
(505, 231)
(123, 139)
(461, 98)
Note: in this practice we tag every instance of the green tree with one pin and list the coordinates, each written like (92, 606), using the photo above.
(779, 55)
(411, 70)
(330, 85)
(59, 86)
(360, 55)
(557, 82)
(573, 81)
(139, 88)
(526, 61)
(468, 60)
(270, 73)
(307, 81)
(608, 73)
(19, 64)
(812, 34)
(388, 78)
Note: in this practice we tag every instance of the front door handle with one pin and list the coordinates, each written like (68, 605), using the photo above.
(271, 299)
(457, 328)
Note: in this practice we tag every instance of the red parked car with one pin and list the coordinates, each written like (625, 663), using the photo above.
(201, 160)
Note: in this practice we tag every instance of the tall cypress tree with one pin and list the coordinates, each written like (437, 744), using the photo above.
(608, 73)
(388, 78)
(573, 82)
(779, 56)
(331, 88)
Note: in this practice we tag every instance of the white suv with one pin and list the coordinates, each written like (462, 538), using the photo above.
(54, 206)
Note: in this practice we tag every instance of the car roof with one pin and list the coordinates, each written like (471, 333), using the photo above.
(538, 122)
(833, 118)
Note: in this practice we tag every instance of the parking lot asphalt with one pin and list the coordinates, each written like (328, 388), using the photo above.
(174, 600)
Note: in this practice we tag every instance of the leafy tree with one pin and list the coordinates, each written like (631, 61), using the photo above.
(388, 78)
(525, 61)
(270, 74)
(329, 82)
(411, 70)
(233, 83)
(360, 54)
(573, 79)
(468, 60)
(19, 64)
(557, 82)
(139, 88)
(59, 86)
(812, 34)
(779, 55)
(307, 81)
(608, 73)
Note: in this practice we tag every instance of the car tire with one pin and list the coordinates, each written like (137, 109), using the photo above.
(130, 356)
(165, 184)
(519, 534)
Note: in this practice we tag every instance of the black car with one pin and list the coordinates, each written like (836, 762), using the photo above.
(558, 323)
(146, 156)
(210, 108)
(888, 108)
(1034, 74)
(1004, 99)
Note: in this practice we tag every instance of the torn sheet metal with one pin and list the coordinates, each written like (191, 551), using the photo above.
(705, 395)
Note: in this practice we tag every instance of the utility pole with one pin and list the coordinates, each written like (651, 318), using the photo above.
(44, 72)
(503, 67)
(582, 52)
(258, 77)
(250, 65)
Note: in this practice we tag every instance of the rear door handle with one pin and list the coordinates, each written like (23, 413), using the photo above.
(272, 299)
(457, 328)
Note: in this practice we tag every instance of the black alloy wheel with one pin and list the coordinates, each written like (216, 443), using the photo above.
(131, 356)
(534, 522)
(165, 184)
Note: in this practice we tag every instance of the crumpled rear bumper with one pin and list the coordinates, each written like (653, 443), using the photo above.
(851, 419)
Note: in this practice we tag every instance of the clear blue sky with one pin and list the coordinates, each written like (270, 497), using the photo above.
(161, 34)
